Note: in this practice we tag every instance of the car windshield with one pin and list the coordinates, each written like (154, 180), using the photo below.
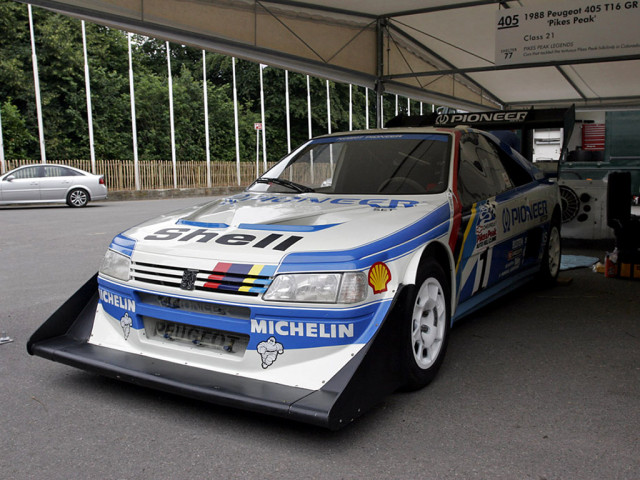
(364, 164)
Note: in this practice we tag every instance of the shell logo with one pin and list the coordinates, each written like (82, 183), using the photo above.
(379, 277)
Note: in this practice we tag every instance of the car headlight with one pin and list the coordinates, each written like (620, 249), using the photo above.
(116, 265)
(349, 287)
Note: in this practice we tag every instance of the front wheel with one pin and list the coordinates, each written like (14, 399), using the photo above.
(77, 198)
(426, 328)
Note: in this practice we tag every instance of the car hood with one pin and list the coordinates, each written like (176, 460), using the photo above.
(262, 228)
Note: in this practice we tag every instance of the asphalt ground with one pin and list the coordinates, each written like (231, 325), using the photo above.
(544, 384)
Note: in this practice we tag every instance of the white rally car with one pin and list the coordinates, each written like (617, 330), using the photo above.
(330, 282)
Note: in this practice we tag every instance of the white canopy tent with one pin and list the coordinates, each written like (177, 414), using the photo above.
(440, 51)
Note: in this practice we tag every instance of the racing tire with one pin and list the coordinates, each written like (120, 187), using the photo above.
(77, 198)
(425, 329)
(550, 266)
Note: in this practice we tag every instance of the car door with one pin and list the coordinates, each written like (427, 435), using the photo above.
(55, 183)
(22, 185)
(478, 234)
(523, 211)
(504, 211)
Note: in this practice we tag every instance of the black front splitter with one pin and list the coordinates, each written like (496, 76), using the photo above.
(364, 381)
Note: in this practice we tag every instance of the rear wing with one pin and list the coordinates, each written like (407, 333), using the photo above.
(523, 121)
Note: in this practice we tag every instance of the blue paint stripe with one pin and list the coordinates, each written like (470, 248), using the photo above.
(201, 224)
(395, 245)
(239, 269)
(124, 245)
(285, 228)
(365, 318)
(259, 226)
(268, 271)
(436, 137)
(492, 293)
(228, 288)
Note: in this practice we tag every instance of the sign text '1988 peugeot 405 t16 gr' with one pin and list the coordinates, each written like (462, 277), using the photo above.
(330, 282)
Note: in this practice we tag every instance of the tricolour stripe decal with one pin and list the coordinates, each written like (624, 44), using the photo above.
(240, 277)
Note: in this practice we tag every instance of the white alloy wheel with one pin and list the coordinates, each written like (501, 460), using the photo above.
(428, 324)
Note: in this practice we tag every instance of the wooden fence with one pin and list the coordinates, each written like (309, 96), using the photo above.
(158, 174)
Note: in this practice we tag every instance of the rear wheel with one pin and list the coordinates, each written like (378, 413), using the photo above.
(550, 267)
(426, 328)
(77, 198)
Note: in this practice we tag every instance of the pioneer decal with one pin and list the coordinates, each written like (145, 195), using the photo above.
(370, 202)
(511, 217)
(484, 117)
(303, 329)
(275, 241)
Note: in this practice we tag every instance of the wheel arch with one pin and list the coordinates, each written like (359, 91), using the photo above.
(78, 187)
(557, 213)
(441, 253)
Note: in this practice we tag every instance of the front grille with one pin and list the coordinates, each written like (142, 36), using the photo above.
(231, 278)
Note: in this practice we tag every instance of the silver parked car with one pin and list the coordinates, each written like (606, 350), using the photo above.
(50, 183)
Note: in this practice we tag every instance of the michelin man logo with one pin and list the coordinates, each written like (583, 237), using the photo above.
(125, 323)
(269, 351)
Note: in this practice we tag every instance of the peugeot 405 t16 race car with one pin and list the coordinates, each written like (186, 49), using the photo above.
(330, 282)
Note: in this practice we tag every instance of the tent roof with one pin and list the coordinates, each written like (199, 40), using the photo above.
(443, 53)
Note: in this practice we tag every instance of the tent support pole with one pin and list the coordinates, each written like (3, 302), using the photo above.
(381, 24)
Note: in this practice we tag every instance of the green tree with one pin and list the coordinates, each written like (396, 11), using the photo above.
(18, 140)
(61, 65)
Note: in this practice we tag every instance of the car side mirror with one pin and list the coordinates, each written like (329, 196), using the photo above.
(10, 178)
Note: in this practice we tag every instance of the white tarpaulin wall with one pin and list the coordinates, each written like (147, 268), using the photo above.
(443, 53)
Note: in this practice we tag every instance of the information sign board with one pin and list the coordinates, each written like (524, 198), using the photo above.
(567, 30)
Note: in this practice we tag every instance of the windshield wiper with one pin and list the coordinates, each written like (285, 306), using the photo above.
(286, 183)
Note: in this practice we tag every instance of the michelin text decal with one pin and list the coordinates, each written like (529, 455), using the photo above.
(303, 329)
(117, 300)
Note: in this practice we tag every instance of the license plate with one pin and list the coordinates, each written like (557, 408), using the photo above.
(195, 336)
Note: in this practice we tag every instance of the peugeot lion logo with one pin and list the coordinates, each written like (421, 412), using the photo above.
(189, 279)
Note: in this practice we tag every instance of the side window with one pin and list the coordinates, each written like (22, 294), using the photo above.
(53, 171)
(59, 171)
(501, 179)
(518, 175)
(28, 172)
(476, 179)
